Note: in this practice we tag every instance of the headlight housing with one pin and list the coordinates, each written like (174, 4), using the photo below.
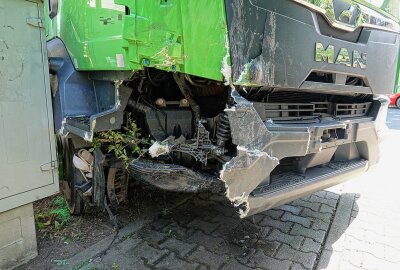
(362, 14)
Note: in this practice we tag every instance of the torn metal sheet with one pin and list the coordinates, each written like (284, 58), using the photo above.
(174, 177)
(256, 156)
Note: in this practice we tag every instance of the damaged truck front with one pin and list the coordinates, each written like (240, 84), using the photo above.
(262, 101)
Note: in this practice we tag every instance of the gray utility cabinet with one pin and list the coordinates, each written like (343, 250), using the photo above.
(28, 167)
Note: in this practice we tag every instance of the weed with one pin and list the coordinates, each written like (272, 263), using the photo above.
(61, 213)
(61, 262)
(122, 144)
(58, 216)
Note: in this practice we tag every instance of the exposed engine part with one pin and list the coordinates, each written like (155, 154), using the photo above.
(186, 92)
(117, 185)
(165, 122)
(197, 82)
(200, 148)
(223, 131)
(184, 103)
(162, 103)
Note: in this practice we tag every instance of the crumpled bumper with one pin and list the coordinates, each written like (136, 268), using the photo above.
(261, 146)
(249, 180)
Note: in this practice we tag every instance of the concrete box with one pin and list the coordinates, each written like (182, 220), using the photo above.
(17, 237)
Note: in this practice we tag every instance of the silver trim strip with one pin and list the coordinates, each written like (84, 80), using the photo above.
(334, 23)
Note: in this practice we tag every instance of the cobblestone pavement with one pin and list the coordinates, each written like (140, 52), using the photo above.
(353, 226)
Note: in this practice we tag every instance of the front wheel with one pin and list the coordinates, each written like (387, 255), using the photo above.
(398, 102)
(72, 178)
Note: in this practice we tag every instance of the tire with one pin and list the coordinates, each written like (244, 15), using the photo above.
(72, 177)
(398, 103)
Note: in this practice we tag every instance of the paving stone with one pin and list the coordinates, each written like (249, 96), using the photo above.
(392, 254)
(150, 254)
(127, 245)
(321, 193)
(174, 229)
(344, 265)
(309, 245)
(260, 260)
(297, 266)
(233, 264)
(160, 223)
(284, 226)
(275, 213)
(174, 263)
(115, 263)
(328, 261)
(326, 209)
(359, 234)
(210, 259)
(306, 222)
(288, 253)
(293, 241)
(319, 224)
(268, 247)
(208, 241)
(316, 235)
(307, 204)
(331, 195)
(295, 210)
(310, 213)
(371, 262)
(317, 199)
(353, 257)
(373, 248)
(205, 226)
(387, 229)
(179, 247)
(230, 221)
(152, 236)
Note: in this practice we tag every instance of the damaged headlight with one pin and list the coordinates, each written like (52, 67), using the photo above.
(349, 15)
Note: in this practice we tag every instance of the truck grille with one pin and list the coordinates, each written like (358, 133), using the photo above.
(308, 111)
(351, 110)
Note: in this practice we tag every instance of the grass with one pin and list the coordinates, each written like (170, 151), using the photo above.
(56, 216)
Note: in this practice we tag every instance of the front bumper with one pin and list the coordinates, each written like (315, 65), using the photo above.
(261, 146)
(250, 180)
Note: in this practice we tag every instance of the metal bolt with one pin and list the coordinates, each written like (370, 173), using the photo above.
(161, 102)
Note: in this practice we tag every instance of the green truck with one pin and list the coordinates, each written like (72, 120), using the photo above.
(262, 101)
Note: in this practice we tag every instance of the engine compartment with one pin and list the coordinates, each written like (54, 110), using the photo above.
(187, 119)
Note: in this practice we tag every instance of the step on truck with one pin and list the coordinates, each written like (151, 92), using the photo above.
(262, 101)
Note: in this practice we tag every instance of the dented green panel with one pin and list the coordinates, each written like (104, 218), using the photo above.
(186, 36)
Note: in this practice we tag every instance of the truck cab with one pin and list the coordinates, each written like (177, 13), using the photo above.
(261, 101)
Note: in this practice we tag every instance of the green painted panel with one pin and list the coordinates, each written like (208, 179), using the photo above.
(181, 35)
